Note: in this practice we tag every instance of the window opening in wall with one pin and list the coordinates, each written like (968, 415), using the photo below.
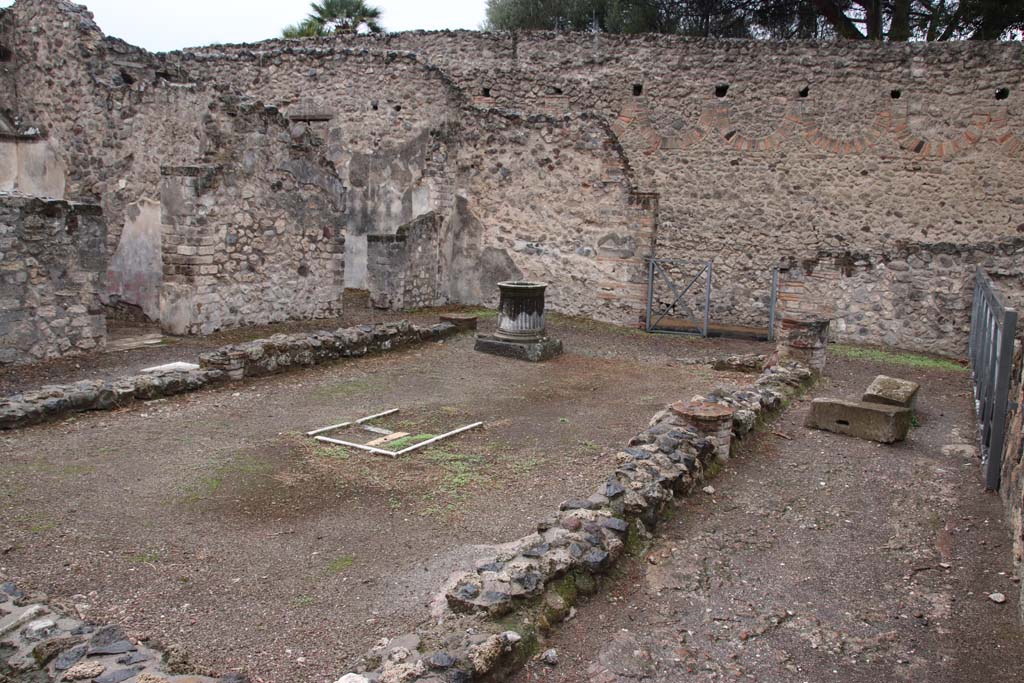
(558, 91)
(373, 105)
(5, 54)
(721, 90)
(895, 94)
(398, 107)
(805, 91)
(638, 89)
(1002, 93)
(486, 92)
(127, 77)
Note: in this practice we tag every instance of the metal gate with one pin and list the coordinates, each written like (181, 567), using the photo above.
(686, 309)
(662, 270)
(993, 327)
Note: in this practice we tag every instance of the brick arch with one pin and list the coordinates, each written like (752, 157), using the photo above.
(812, 133)
(717, 116)
(923, 146)
(1002, 133)
(636, 115)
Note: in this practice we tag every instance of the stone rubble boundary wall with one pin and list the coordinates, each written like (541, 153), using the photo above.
(251, 359)
(41, 642)
(1011, 487)
(492, 617)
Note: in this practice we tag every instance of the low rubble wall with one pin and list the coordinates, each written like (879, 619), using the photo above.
(491, 616)
(251, 359)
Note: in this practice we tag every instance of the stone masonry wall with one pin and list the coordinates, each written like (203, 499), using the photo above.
(252, 236)
(918, 296)
(404, 267)
(1012, 480)
(754, 153)
(52, 257)
(8, 92)
(767, 152)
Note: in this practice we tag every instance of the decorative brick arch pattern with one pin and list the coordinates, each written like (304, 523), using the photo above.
(1001, 133)
(716, 118)
(636, 115)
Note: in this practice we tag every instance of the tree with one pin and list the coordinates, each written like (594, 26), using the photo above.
(336, 16)
(893, 20)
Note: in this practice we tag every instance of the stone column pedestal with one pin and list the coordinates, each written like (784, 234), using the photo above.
(709, 419)
(805, 341)
(521, 333)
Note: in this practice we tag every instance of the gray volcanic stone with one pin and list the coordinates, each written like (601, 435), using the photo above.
(110, 640)
(615, 524)
(118, 675)
(871, 421)
(535, 352)
(69, 658)
(440, 660)
(892, 391)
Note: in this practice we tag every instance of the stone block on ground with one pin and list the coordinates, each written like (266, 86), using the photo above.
(871, 421)
(892, 391)
(534, 351)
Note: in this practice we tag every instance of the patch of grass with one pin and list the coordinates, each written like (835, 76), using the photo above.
(911, 360)
(483, 313)
(460, 472)
(563, 420)
(340, 564)
(338, 452)
(342, 389)
(523, 466)
(590, 445)
(145, 557)
(914, 422)
(305, 601)
(204, 488)
(242, 465)
(406, 441)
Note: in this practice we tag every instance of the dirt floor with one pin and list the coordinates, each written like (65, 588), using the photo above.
(818, 558)
(209, 521)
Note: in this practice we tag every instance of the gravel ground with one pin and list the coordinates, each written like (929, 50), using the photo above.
(208, 522)
(818, 558)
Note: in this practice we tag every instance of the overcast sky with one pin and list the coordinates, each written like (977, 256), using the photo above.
(160, 25)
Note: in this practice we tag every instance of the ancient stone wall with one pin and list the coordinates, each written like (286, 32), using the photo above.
(1012, 480)
(763, 152)
(404, 268)
(253, 235)
(52, 258)
(917, 296)
(8, 92)
(751, 153)
(382, 118)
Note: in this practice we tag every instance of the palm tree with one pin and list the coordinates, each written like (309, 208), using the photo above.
(307, 28)
(336, 16)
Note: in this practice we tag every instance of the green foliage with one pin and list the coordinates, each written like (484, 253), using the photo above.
(336, 16)
(895, 20)
(406, 441)
(911, 360)
(340, 564)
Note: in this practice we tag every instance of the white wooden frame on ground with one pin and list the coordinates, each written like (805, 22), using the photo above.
(317, 434)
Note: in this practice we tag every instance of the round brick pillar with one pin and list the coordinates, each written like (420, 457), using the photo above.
(709, 419)
(804, 340)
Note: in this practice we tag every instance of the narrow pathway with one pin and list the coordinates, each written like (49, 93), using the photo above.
(818, 558)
